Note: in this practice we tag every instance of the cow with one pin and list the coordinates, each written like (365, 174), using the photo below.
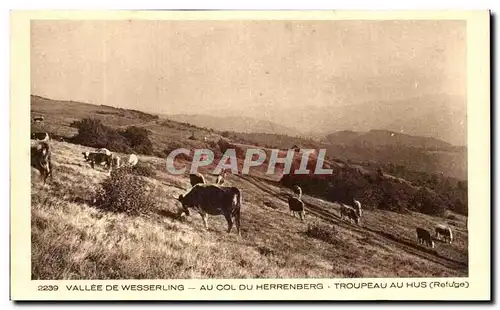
(445, 231)
(37, 119)
(357, 206)
(41, 159)
(214, 200)
(196, 178)
(220, 178)
(297, 191)
(115, 161)
(103, 150)
(98, 158)
(132, 160)
(424, 237)
(296, 206)
(350, 213)
(41, 136)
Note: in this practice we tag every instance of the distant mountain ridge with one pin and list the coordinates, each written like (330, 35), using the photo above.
(233, 123)
(376, 137)
(439, 116)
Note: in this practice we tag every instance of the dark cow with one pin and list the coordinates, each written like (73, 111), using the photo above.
(214, 200)
(424, 237)
(296, 206)
(196, 179)
(350, 213)
(444, 231)
(41, 136)
(41, 159)
(98, 158)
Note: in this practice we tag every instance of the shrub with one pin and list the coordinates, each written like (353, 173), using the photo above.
(144, 170)
(138, 140)
(125, 192)
(93, 133)
(322, 232)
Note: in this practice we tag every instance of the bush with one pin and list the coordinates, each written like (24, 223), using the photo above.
(143, 170)
(93, 133)
(322, 232)
(125, 192)
(138, 140)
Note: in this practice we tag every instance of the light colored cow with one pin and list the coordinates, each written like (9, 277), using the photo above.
(357, 206)
(444, 230)
(221, 178)
(103, 150)
(297, 191)
(132, 160)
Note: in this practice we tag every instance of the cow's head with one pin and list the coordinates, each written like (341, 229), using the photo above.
(86, 155)
(185, 207)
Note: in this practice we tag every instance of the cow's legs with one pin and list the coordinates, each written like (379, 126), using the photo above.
(229, 220)
(204, 217)
(301, 214)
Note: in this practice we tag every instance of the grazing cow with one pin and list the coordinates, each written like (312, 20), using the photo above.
(41, 159)
(214, 200)
(424, 236)
(350, 213)
(115, 161)
(196, 179)
(445, 231)
(41, 136)
(296, 206)
(220, 178)
(37, 119)
(132, 160)
(297, 191)
(103, 150)
(98, 158)
(357, 206)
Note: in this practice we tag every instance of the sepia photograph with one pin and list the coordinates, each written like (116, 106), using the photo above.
(251, 148)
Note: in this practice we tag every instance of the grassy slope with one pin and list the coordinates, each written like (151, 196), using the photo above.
(72, 240)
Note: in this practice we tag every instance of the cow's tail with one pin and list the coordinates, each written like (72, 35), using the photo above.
(237, 211)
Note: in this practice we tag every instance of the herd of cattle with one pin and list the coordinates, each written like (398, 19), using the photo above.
(211, 199)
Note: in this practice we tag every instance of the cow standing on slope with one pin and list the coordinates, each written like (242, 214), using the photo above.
(296, 204)
(214, 200)
(444, 230)
(350, 213)
(41, 159)
(424, 237)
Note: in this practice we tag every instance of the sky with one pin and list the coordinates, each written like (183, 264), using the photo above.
(206, 67)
